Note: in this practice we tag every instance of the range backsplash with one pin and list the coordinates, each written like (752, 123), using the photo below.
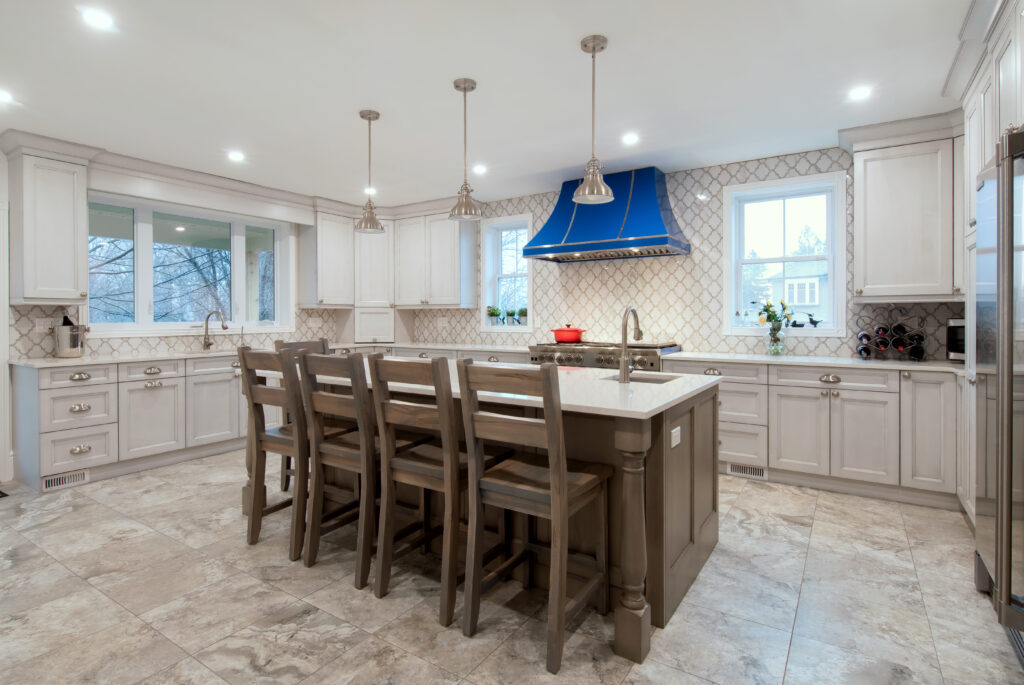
(679, 298)
(309, 324)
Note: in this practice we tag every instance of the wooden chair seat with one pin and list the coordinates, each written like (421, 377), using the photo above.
(428, 460)
(528, 477)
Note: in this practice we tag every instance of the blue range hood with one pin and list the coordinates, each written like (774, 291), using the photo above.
(638, 223)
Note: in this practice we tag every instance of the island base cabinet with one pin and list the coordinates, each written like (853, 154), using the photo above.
(928, 443)
(151, 417)
(212, 408)
(798, 429)
(865, 435)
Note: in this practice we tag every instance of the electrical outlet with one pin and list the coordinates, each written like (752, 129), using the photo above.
(42, 325)
(676, 436)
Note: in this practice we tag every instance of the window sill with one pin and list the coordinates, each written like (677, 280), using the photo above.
(487, 328)
(101, 331)
(806, 332)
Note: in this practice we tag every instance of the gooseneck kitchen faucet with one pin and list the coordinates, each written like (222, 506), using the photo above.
(207, 343)
(625, 368)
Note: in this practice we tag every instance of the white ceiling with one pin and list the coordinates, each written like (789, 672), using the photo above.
(702, 82)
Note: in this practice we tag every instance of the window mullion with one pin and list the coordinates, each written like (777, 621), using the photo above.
(238, 273)
(143, 265)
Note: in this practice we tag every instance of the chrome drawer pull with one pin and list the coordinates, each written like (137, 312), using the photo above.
(149, 385)
(492, 358)
(80, 376)
(153, 370)
(236, 364)
(79, 408)
(81, 449)
(712, 372)
(830, 378)
(423, 355)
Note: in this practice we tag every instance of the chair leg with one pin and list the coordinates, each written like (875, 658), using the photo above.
(602, 548)
(449, 557)
(474, 565)
(507, 533)
(426, 516)
(314, 516)
(285, 465)
(529, 535)
(257, 497)
(299, 506)
(556, 591)
(385, 536)
(364, 540)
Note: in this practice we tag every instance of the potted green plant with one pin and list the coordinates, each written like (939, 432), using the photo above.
(522, 316)
(510, 317)
(493, 313)
(776, 318)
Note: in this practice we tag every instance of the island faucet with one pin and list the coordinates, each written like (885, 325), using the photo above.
(624, 366)
(207, 343)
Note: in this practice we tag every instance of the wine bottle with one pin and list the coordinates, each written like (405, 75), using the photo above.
(864, 337)
(881, 343)
(899, 330)
(864, 351)
(900, 343)
(882, 331)
(916, 352)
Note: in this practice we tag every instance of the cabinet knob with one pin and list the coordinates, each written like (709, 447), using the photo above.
(956, 288)
(824, 393)
(79, 408)
(492, 358)
(149, 385)
(423, 355)
(236, 364)
(972, 381)
(859, 291)
(83, 294)
(835, 393)
(152, 370)
(79, 376)
(906, 374)
(320, 301)
(80, 449)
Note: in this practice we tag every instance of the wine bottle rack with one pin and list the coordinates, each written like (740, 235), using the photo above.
(894, 334)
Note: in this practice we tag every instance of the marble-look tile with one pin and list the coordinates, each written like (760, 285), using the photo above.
(930, 524)
(143, 588)
(363, 609)
(122, 653)
(74, 536)
(862, 517)
(522, 658)
(812, 663)
(127, 554)
(779, 555)
(56, 623)
(650, 672)
(780, 499)
(133, 492)
(854, 569)
(214, 611)
(55, 508)
(188, 671)
(721, 648)
(284, 647)
(200, 520)
(750, 523)
(376, 661)
(23, 589)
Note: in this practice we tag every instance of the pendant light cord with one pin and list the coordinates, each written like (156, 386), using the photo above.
(369, 154)
(465, 143)
(593, 104)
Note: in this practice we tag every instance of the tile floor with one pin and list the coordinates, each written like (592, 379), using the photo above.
(147, 578)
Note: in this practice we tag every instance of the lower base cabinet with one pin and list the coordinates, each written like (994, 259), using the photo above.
(151, 417)
(928, 407)
(741, 443)
(865, 435)
(798, 429)
(212, 410)
(77, 448)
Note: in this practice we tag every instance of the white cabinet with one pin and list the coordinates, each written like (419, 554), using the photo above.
(798, 429)
(435, 262)
(903, 221)
(211, 408)
(326, 258)
(151, 417)
(928, 442)
(741, 443)
(1006, 81)
(973, 115)
(857, 451)
(49, 231)
(492, 356)
(374, 324)
(374, 260)
(967, 445)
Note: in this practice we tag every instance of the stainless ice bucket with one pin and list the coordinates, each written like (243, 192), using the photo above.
(69, 341)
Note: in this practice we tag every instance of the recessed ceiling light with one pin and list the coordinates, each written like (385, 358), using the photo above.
(97, 18)
(6, 98)
(859, 93)
(370, 191)
(236, 155)
(479, 169)
(179, 229)
(630, 138)
(703, 197)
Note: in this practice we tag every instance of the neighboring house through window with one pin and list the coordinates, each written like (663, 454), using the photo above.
(505, 273)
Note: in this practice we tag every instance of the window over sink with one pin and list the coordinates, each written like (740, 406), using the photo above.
(786, 240)
(160, 269)
(505, 274)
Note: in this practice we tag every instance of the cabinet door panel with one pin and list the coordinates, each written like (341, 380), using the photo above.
(211, 408)
(443, 275)
(798, 430)
(928, 431)
(743, 403)
(743, 444)
(972, 159)
(151, 417)
(64, 408)
(334, 249)
(865, 441)
(374, 258)
(410, 261)
(374, 324)
(903, 220)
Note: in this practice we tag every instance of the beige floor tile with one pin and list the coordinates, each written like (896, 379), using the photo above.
(813, 663)
(930, 524)
(118, 555)
(721, 648)
(188, 671)
(363, 609)
(283, 647)
(862, 570)
(74, 536)
(215, 611)
(652, 673)
(21, 590)
(376, 661)
(51, 511)
(862, 517)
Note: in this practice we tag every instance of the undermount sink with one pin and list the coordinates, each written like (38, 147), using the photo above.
(640, 377)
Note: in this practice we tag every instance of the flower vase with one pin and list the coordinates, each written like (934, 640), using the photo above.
(776, 342)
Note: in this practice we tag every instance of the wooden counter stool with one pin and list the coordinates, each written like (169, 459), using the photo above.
(320, 346)
(293, 443)
(547, 487)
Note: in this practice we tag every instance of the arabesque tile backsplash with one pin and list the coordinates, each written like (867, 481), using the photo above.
(679, 298)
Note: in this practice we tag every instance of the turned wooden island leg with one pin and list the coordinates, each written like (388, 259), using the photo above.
(633, 613)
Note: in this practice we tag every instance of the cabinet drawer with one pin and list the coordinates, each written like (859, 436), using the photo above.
(140, 371)
(422, 353)
(63, 408)
(76, 376)
(743, 403)
(743, 444)
(218, 364)
(729, 371)
(847, 378)
(503, 357)
(77, 448)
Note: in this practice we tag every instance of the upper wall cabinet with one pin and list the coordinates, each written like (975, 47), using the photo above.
(903, 222)
(374, 259)
(435, 262)
(49, 231)
(326, 262)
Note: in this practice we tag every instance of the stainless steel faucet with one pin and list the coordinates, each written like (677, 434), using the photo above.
(207, 343)
(625, 368)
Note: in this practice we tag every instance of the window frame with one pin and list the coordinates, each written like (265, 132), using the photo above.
(833, 183)
(284, 306)
(490, 261)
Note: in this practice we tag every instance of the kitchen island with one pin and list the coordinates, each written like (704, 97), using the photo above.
(659, 433)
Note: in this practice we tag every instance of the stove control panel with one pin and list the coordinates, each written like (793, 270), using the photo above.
(596, 357)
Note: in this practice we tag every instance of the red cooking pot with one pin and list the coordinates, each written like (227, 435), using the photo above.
(568, 334)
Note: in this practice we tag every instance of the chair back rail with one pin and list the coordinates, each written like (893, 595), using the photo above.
(322, 400)
(319, 346)
(259, 394)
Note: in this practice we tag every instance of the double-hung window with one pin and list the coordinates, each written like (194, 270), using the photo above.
(162, 269)
(505, 274)
(786, 241)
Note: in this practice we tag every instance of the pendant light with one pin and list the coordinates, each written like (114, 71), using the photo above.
(593, 190)
(465, 209)
(369, 223)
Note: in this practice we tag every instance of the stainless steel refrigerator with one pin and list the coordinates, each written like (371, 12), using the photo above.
(998, 381)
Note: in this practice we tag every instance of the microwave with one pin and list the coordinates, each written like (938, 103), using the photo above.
(956, 339)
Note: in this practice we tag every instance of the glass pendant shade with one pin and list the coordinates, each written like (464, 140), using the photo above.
(465, 209)
(369, 223)
(593, 190)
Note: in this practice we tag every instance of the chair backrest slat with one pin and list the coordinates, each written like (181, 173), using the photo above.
(324, 401)
(319, 346)
(412, 415)
(270, 396)
(505, 380)
(411, 371)
(518, 430)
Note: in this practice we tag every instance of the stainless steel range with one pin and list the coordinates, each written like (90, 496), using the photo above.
(645, 356)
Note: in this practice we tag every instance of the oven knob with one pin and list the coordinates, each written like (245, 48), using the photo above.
(578, 359)
(639, 362)
(599, 360)
(549, 357)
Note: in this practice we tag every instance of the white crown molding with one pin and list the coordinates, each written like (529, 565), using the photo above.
(14, 142)
(903, 132)
(980, 21)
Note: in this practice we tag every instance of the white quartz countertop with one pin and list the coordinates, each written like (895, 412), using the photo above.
(437, 346)
(54, 362)
(797, 360)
